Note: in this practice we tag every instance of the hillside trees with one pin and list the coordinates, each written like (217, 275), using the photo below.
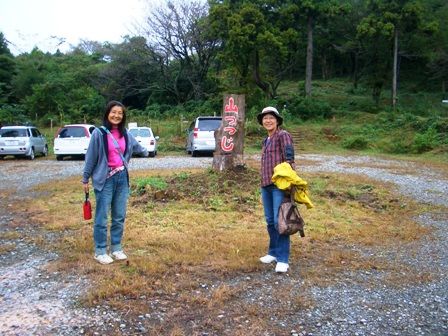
(194, 52)
(57, 87)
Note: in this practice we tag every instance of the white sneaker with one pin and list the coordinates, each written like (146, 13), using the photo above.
(104, 259)
(281, 267)
(267, 259)
(119, 255)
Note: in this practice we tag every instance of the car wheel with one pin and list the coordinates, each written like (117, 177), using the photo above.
(194, 153)
(152, 154)
(59, 157)
(31, 156)
(1, 157)
(45, 151)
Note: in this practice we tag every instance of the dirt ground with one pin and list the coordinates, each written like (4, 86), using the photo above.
(38, 301)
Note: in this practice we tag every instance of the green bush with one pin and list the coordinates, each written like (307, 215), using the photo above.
(355, 142)
(309, 108)
(12, 114)
(157, 183)
(424, 142)
(395, 146)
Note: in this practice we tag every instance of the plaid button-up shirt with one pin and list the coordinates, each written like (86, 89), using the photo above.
(276, 149)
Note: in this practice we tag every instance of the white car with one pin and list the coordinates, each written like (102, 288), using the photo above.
(146, 138)
(22, 141)
(72, 140)
(201, 135)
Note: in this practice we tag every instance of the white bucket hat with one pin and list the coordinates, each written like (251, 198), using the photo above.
(271, 110)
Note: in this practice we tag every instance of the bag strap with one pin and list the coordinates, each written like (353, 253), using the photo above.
(292, 191)
(117, 146)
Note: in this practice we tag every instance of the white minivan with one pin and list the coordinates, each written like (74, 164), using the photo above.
(72, 140)
(201, 135)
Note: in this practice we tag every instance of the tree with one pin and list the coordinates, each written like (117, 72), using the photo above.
(58, 86)
(256, 45)
(437, 54)
(179, 40)
(7, 70)
(312, 11)
(388, 20)
(128, 72)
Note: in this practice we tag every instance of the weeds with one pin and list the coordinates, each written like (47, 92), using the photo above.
(208, 230)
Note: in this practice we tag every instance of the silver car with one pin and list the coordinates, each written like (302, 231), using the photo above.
(22, 141)
(201, 135)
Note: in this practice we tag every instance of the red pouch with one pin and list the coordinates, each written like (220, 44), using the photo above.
(87, 208)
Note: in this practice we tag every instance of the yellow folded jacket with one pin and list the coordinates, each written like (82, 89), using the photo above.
(284, 177)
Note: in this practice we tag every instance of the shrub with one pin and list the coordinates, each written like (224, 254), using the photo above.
(12, 114)
(424, 142)
(395, 146)
(309, 108)
(355, 142)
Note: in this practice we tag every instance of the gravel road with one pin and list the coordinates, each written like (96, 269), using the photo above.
(35, 301)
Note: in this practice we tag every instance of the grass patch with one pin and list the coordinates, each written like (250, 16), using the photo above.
(6, 248)
(194, 238)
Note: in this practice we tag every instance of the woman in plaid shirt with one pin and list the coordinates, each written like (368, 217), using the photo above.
(277, 148)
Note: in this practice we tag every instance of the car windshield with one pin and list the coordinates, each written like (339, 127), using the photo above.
(209, 124)
(13, 133)
(72, 132)
(143, 132)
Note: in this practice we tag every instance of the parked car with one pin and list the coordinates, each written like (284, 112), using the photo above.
(201, 135)
(72, 140)
(22, 141)
(146, 138)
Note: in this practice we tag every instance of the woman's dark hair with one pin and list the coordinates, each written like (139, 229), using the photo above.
(122, 124)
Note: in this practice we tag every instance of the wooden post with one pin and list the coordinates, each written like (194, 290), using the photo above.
(230, 135)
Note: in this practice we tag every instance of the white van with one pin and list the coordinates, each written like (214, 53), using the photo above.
(201, 135)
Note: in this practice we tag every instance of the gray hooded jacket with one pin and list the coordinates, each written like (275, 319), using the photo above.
(96, 160)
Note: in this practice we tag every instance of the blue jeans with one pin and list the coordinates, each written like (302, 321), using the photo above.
(113, 198)
(278, 244)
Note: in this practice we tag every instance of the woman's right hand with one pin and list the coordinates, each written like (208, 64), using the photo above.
(86, 187)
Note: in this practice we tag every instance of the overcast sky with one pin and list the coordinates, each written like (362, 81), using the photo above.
(52, 24)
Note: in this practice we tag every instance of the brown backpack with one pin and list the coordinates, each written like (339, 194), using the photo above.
(289, 219)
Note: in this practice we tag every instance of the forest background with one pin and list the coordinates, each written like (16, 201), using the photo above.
(347, 75)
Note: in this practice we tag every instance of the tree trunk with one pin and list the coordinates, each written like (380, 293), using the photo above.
(260, 83)
(229, 137)
(395, 71)
(324, 67)
(309, 56)
(355, 69)
(376, 92)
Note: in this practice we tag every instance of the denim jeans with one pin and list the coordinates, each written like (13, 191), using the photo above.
(278, 244)
(113, 198)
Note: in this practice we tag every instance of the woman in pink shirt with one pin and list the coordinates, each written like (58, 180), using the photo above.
(110, 150)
